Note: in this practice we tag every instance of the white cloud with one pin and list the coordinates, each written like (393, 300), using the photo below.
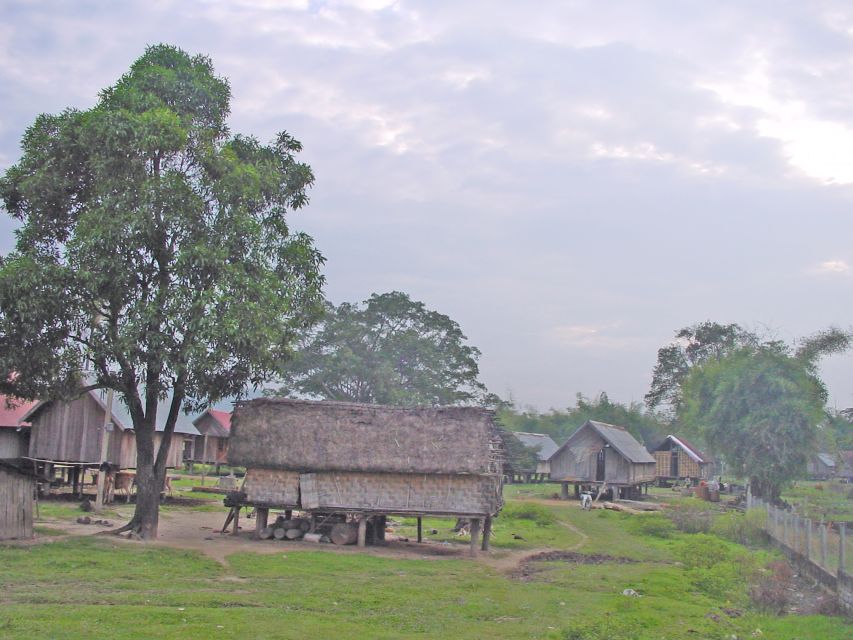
(589, 336)
(832, 267)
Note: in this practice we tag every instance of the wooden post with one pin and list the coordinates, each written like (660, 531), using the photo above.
(487, 532)
(261, 517)
(823, 545)
(420, 530)
(381, 523)
(236, 520)
(564, 490)
(785, 518)
(362, 531)
(204, 460)
(105, 438)
(808, 539)
(288, 514)
(475, 537)
(842, 551)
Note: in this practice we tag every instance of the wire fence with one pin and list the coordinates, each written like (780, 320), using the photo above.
(828, 545)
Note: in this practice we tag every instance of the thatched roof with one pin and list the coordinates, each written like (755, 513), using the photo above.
(301, 435)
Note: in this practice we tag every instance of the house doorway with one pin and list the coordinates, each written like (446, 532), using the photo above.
(599, 466)
(673, 463)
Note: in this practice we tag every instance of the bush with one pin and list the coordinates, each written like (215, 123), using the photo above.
(771, 592)
(743, 528)
(691, 518)
(653, 525)
(537, 513)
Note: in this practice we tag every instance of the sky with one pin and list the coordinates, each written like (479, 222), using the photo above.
(571, 181)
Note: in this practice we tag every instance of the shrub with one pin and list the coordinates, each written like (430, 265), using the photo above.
(716, 568)
(653, 525)
(537, 513)
(691, 518)
(770, 593)
(742, 528)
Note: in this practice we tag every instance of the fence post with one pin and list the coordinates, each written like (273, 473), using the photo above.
(842, 551)
(785, 527)
(808, 539)
(823, 552)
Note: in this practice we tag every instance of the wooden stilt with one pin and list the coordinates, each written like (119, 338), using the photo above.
(362, 531)
(288, 513)
(420, 530)
(381, 523)
(261, 517)
(564, 490)
(487, 532)
(236, 520)
(475, 537)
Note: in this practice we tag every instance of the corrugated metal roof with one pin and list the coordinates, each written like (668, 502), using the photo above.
(691, 451)
(619, 438)
(10, 417)
(826, 459)
(544, 445)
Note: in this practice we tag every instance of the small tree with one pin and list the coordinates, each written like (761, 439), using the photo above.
(759, 407)
(390, 350)
(153, 251)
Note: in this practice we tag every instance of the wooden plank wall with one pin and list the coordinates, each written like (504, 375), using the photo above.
(16, 505)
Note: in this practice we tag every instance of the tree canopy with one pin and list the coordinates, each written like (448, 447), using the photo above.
(388, 350)
(154, 252)
(760, 407)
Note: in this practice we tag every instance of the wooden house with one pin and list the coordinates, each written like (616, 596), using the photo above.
(211, 446)
(845, 469)
(544, 446)
(604, 456)
(67, 435)
(677, 459)
(822, 466)
(14, 434)
(364, 462)
(17, 486)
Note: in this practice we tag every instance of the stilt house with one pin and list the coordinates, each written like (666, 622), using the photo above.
(14, 434)
(544, 446)
(822, 467)
(211, 446)
(599, 454)
(368, 461)
(677, 459)
(69, 434)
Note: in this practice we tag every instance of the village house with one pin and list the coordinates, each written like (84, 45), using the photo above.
(14, 434)
(822, 466)
(361, 463)
(602, 456)
(211, 445)
(544, 446)
(677, 459)
(66, 437)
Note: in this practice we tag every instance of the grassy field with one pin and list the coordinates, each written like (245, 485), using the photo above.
(689, 586)
(830, 500)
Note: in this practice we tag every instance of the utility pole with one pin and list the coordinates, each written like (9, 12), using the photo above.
(105, 439)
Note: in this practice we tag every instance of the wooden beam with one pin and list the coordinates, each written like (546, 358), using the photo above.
(475, 537)
(487, 532)
(362, 531)
(420, 530)
(261, 517)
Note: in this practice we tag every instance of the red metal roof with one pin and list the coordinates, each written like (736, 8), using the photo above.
(222, 417)
(9, 417)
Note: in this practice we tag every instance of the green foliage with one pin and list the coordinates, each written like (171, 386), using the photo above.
(717, 568)
(693, 346)
(655, 525)
(532, 511)
(691, 516)
(743, 528)
(154, 251)
(389, 350)
(760, 408)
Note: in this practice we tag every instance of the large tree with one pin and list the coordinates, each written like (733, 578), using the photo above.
(154, 254)
(760, 407)
(389, 350)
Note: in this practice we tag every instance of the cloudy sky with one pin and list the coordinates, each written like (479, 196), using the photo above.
(570, 181)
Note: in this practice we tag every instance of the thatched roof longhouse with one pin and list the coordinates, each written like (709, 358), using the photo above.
(301, 435)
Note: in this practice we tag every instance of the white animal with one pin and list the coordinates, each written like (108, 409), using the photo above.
(586, 501)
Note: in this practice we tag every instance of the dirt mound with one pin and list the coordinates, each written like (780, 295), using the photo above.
(527, 568)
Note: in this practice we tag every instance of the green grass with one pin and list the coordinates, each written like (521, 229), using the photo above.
(102, 588)
(821, 500)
